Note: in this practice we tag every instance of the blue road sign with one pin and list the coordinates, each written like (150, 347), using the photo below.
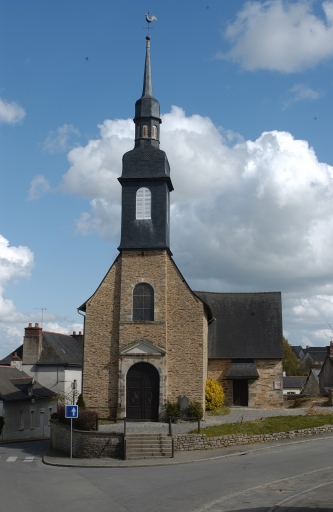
(72, 411)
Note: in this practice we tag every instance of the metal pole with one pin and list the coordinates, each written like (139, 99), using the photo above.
(71, 437)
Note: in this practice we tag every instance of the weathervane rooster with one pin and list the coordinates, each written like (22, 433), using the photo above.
(149, 20)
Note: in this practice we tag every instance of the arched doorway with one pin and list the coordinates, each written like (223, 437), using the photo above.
(143, 389)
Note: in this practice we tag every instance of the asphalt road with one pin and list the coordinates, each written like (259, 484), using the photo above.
(292, 477)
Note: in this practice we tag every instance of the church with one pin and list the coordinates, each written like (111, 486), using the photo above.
(149, 338)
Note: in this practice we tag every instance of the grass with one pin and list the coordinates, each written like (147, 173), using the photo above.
(268, 425)
(106, 422)
(221, 411)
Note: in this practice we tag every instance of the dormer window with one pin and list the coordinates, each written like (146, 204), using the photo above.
(145, 131)
(143, 204)
(154, 132)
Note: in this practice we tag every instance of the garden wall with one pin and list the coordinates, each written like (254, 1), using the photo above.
(186, 442)
(86, 445)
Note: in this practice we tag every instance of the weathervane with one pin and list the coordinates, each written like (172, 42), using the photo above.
(149, 20)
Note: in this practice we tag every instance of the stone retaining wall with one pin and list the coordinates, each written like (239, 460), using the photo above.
(187, 442)
(86, 445)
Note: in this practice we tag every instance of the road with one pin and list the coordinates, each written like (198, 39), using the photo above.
(295, 476)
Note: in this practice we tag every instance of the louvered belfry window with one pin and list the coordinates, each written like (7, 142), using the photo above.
(145, 131)
(154, 132)
(143, 302)
(143, 203)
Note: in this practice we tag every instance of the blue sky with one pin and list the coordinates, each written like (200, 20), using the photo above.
(246, 95)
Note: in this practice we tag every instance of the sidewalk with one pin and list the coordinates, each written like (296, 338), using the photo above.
(58, 458)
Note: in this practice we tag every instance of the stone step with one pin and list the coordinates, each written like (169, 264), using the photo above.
(144, 446)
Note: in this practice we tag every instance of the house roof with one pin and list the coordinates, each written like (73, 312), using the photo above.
(57, 348)
(6, 360)
(297, 349)
(14, 385)
(61, 349)
(246, 325)
(242, 370)
(294, 382)
(317, 354)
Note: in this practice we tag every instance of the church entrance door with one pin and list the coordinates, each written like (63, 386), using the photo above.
(241, 394)
(143, 389)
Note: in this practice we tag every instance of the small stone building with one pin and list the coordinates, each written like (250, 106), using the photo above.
(148, 338)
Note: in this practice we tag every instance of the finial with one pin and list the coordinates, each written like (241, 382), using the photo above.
(149, 20)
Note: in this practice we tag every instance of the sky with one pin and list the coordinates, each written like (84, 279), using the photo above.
(246, 93)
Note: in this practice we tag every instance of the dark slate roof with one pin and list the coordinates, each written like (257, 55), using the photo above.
(294, 382)
(318, 354)
(6, 360)
(297, 349)
(242, 370)
(61, 349)
(247, 325)
(14, 385)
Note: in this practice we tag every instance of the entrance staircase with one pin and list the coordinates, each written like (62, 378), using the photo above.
(147, 446)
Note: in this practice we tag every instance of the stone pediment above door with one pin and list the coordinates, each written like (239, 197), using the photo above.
(143, 348)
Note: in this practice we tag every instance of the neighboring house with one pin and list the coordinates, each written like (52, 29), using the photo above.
(24, 403)
(311, 386)
(149, 338)
(326, 372)
(54, 359)
(314, 357)
(298, 351)
(293, 385)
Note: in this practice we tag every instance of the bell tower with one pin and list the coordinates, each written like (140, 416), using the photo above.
(145, 179)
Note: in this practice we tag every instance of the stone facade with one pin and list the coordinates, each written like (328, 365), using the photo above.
(261, 391)
(175, 343)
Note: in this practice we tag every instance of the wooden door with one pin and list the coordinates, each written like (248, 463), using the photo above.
(143, 387)
(241, 394)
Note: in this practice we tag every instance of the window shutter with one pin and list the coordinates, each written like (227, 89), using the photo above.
(143, 204)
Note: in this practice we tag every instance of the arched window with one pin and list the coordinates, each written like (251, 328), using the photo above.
(143, 204)
(154, 132)
(145, 131)
(143, 302)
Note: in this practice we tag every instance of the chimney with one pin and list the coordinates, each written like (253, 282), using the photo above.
(32, 344)
(78, 337)
(16, 362)
(330, 348)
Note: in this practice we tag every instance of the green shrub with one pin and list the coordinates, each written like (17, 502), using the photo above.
(54, 416)
(80, 402)
(172, 409)
(87, 420)
(214, 395)
(2, 422)
(195, 410)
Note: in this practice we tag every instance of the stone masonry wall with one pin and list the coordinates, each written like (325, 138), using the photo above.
(187, 442)
(261, 391)
(217, 370)
(186, 339)
(101, 345)
(86, 445)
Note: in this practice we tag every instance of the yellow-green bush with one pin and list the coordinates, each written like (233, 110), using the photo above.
(214, 395)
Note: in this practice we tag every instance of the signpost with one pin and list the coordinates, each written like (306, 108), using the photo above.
(71, 411)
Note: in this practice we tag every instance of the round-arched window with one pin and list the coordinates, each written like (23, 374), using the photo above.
(143, 302)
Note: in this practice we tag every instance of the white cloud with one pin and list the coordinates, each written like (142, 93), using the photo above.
(280, 35)
(11, 112)
(39, 186)
(60, 140)
(253, 217)
(300, 92)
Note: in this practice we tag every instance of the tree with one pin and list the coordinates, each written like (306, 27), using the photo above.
(290, 362)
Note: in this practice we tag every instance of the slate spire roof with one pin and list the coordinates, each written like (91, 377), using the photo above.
(147, 82)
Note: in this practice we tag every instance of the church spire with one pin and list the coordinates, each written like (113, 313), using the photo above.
(147, 83)
(147, 110)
